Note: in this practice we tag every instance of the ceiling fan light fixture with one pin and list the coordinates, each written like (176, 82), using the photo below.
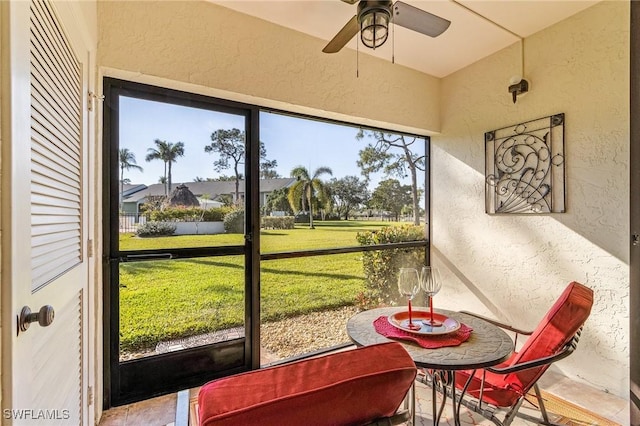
(372, 22)
(374, 17)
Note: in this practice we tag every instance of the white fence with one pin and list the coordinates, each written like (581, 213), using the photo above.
(129, 222)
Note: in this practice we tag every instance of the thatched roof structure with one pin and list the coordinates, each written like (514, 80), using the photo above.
(181, 196)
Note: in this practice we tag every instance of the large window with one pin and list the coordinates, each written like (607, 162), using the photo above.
(239, 237)
(326, 188)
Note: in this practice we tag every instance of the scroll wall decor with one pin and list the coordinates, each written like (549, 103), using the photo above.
(525, 167)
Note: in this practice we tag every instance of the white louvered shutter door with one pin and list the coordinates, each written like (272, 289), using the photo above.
(49, 221)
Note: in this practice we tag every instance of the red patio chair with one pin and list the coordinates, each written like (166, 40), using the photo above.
(502, 389)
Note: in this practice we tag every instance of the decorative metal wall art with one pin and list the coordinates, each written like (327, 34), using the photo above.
(525, 167)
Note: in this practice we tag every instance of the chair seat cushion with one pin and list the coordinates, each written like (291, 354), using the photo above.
(345, 388)
(555, 330)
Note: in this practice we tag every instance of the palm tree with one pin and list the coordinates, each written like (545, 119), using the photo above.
(306, 188)
(127, 161)
(169, 153)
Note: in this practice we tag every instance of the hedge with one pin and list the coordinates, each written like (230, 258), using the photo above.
(189, 214)
(381, 266)
(278, 222)
(156, 229)
(234, 222)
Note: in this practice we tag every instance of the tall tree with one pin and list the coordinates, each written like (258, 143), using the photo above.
(307, 188)
(168, 152)
(390, 195)
(127, 161)
(277, 201)
(348, 193)
(392, 154)
(230, 147)
(268, 169)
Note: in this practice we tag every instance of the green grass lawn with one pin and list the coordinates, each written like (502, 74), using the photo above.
(326, 234)
(169, 299)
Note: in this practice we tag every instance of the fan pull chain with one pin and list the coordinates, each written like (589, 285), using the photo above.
(393, 43)
(357, 57)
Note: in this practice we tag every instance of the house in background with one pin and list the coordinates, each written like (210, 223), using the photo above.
(577, 65)
(131, 188)
(208, 192)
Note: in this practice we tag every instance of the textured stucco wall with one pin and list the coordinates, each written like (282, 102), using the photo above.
(210, 46)
(520, 264)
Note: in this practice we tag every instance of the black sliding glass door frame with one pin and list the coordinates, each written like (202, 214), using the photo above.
(137, 379)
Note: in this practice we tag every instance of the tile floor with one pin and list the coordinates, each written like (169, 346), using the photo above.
(158, 411)
(161, 411)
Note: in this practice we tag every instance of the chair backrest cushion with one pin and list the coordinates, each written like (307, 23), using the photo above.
(345, 388)
(555, 330)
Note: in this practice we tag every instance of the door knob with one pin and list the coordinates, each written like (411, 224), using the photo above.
(44, 317)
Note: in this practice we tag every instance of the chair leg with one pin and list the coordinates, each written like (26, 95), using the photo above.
(411, 398)
(487, 411)
(513, 412)
(543, 410)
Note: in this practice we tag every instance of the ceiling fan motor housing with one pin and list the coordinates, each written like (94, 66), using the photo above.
(374, 17)
(374, 6)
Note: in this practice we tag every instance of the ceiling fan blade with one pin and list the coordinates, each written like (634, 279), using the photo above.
(418, 20)
(344, 35)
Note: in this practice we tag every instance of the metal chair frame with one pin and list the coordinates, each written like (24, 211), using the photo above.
(489, 411)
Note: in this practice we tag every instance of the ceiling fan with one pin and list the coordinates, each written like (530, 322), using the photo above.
(372, 21)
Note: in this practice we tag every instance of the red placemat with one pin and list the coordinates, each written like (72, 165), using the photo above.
(461, 335)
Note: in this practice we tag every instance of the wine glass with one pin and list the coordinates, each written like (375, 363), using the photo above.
(431, 284)
(408, 285)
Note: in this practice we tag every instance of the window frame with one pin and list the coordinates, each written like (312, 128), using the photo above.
(250, 344)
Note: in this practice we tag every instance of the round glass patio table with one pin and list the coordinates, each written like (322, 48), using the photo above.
(488, 345)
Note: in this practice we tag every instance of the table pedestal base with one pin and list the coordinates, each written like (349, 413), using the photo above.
(445, 381)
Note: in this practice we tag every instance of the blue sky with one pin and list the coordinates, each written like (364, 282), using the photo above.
(289, 140)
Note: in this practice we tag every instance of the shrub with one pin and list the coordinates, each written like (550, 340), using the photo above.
(381, 266)
(216, 214)
(332, 216)
(278, 222)
(234, 222)
(189, 214)
(156, 229)
(365, 301)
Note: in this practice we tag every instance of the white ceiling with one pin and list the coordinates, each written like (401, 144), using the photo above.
(469, 38)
